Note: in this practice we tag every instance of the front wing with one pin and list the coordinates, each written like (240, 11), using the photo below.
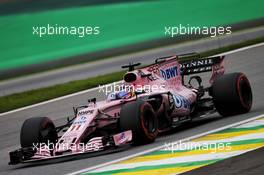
(96, 146)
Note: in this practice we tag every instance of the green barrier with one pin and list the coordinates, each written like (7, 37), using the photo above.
(120, 25)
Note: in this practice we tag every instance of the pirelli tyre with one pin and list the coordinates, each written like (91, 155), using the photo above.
(139, 117)
(232, 94)
(36, 131)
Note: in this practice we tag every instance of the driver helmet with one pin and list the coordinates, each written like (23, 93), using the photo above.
(119, 95)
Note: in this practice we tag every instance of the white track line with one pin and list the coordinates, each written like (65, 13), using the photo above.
(53, 100)
(162, 146)
(89, 90)
(241, 49)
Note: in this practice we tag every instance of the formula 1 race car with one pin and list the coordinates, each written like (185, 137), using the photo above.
(149, 100)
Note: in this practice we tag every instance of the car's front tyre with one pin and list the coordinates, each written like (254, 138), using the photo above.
(36, 131)
(139, 117)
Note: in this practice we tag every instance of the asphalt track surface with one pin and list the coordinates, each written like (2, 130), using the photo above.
(250, 163)
(248, 61)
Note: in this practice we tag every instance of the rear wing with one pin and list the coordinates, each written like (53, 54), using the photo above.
(192, 63)
(199, 65)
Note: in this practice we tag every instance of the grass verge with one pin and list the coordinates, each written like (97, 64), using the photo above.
(22, 99)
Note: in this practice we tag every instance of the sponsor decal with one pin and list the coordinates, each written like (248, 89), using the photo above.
(151, 77)
(198, 70)
(198, 63)
(123, 137)
(85, 112)
(83, 118)
(75, 127)
(181, 102)
(80, 120)
(169, 72)
(154, 68)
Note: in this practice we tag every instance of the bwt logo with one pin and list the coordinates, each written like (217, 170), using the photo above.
(181, 102)
(169, 73)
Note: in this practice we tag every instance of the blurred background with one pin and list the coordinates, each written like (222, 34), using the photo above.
(125, 27)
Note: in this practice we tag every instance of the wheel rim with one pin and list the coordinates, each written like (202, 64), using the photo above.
(149, 121)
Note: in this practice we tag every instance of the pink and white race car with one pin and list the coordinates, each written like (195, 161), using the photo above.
(153, 99)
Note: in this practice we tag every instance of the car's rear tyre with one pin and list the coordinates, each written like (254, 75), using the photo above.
(232, 94)
(139, 117)
(36, 131)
